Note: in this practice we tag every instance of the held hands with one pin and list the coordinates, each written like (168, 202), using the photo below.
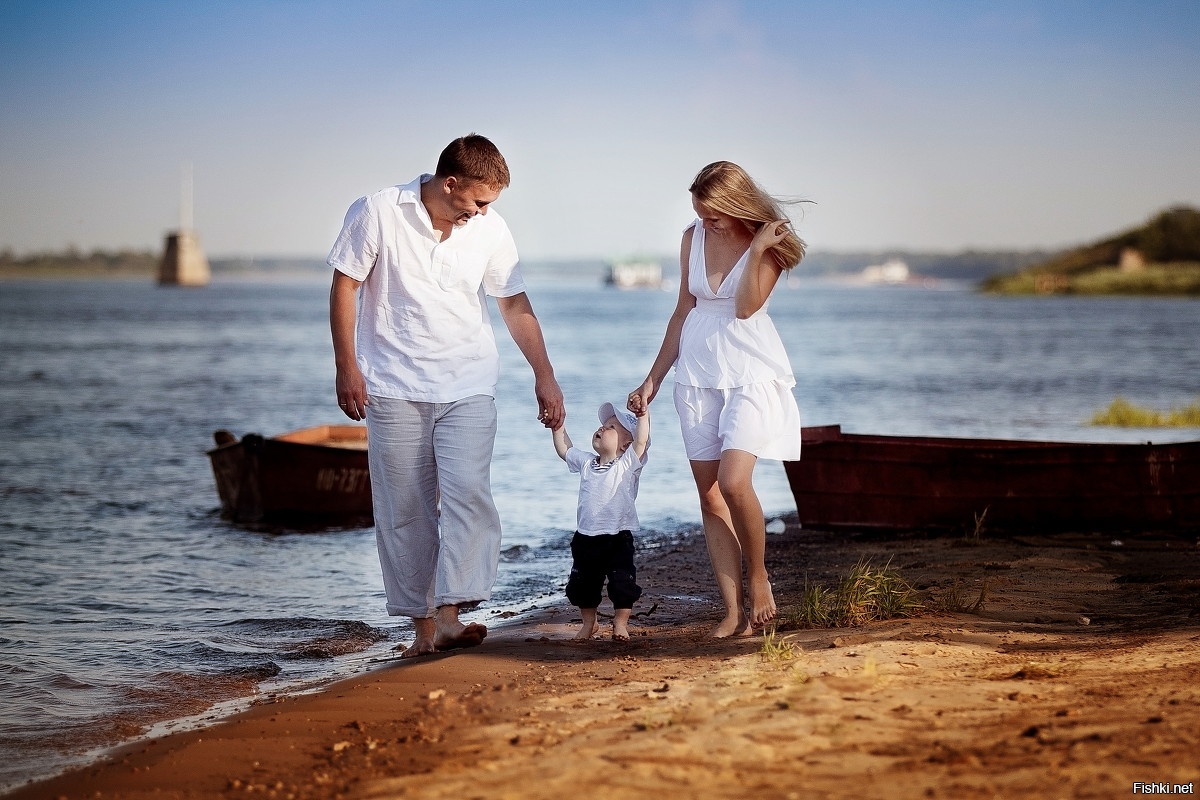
(639, 398)
(551, 409)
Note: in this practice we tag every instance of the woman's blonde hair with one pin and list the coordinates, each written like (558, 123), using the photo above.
(725, 187)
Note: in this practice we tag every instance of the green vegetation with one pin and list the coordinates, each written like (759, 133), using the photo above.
(866, 594)
(1154, 279)
(71, 263)
(1160, 258)
(1123, 414)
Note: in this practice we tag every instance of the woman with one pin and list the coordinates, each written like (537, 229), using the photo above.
(733, 381)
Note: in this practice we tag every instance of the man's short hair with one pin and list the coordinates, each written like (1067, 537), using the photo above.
(473, 158)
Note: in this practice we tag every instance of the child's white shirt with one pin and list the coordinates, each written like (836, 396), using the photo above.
(606, 493)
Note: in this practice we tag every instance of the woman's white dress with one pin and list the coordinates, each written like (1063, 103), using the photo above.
(733, 379)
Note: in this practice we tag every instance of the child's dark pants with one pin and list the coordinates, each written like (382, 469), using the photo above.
(597, 558)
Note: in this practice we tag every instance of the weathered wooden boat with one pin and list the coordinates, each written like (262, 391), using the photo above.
(845, 480)
(309, 477)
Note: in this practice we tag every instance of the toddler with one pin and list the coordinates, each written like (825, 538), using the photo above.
(602, 547)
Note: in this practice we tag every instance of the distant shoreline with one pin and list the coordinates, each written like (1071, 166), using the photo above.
(72, 274)
(1150, 280)
(1154, 280)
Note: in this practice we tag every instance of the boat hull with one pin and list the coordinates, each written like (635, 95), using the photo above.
(311, 477)
(895, 482)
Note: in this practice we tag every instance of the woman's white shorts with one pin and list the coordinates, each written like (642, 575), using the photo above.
(762, 419)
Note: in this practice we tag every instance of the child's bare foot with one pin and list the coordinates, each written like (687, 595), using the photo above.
(620, 631)
(589, 627)
(762, 602)
(732, 625)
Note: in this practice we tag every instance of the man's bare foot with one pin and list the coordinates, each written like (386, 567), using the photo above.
(443, 631)
(453, 637)
(418, 649)
(733, 625)
(426, 630)
(762, 602)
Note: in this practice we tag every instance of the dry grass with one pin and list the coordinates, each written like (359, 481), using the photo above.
(776, 648)
(866, 594)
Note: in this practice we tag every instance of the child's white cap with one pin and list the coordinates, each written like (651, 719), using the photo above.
(625, 418)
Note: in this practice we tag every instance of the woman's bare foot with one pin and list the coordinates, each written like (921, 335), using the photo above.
(732, 625)
(762, 602)
(589, 627)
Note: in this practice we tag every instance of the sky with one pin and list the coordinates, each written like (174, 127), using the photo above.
(919, 125)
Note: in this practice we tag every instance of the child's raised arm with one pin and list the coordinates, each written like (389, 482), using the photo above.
(641, 434)
(562, 442)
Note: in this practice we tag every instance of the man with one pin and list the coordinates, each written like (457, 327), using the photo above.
(416, 358)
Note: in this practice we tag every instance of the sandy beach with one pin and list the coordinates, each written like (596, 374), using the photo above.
(1073, 677)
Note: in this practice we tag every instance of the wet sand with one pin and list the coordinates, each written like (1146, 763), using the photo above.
(1074, 677)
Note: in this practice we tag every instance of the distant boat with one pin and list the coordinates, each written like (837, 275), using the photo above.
(309, 477)
(634, 274)
(891, 271)
(862, 481)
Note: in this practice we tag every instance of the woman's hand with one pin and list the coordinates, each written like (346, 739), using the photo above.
(639, 398)
(762, 273)
(770, 234)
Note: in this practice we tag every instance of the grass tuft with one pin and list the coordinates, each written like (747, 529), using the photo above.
(866, 594)
(954, 599)
(975, 537)
(775, 648)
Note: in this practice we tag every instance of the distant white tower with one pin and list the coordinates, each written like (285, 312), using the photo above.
(183, 262)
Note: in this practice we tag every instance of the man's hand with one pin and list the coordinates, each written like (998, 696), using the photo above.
(349, 383)
(352, 393)
(552, 411)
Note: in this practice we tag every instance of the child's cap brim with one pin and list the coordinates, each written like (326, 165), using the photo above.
(625, 418)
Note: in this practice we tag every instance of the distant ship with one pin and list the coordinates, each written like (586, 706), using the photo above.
(891, 271)
(634, 274)
(894, 272)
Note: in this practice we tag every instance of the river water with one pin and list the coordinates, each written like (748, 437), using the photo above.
(127, 602)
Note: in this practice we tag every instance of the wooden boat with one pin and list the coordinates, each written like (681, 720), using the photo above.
(860, 481)
(310, 477)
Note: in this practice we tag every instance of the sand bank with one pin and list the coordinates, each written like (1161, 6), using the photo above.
(1075, 677)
